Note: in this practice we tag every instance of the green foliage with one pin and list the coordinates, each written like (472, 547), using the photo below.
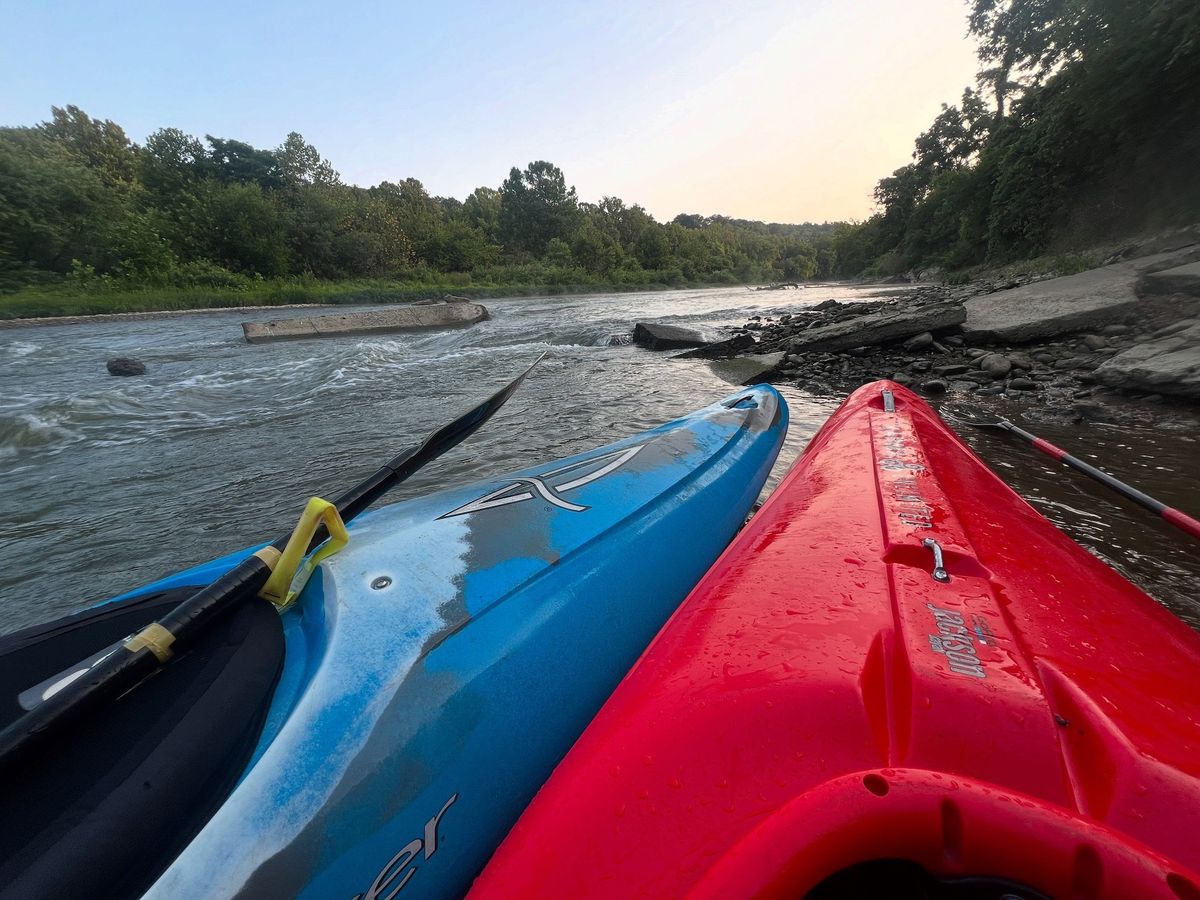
(1091, 134)
(85, 211)
(536, 206)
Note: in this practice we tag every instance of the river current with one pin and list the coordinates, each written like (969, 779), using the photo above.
(111, 482)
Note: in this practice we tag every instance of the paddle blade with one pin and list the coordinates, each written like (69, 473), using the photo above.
(444, 439)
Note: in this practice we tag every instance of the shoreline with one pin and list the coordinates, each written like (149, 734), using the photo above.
(1090, 344)
(53, 307)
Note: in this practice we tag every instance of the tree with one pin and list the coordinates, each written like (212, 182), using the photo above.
(244, 230)
(482, 210)
(54, 207)
(596, 250)
(101, 145)
(535, 206)
(299, 163)
(172, 163)
(236, 162)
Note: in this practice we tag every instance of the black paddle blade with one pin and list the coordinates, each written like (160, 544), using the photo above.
(404, 464)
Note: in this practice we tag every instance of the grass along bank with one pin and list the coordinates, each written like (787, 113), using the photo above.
(99, 295)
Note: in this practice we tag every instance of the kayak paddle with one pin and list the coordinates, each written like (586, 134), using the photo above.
(270, 572)
(1179, 519)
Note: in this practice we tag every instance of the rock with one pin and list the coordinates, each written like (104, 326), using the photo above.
(1088, 300)
(619, 340)
(1179, 280)
(995, 365)
(953, 340)
(1020, 361)
(903, 378)
(1094, 342)
(921, 365)
(1169, 365)
(1070, 362)
(1022, 384)
(826, 306)
(1115, 329)
(748, 369)
(980, 378)
(919, 341)
(976, 353)
(656, 336)
(455, 298)
(1045, 358)
(940, 348)
(401, 318)
(963, 386)
(957, 369)
(935, 386)
(721, 349)
(879, 327)
(125, 365)
(1174, 328)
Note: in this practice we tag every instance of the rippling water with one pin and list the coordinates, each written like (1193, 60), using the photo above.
(111, 482)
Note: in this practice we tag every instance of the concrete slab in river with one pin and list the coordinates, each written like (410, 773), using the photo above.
(381, 321)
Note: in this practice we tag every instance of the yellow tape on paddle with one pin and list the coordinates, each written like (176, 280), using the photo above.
(292, 571)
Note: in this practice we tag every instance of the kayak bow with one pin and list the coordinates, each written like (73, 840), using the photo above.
(899, 680)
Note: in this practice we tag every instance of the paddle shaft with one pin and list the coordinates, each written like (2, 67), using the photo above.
(1179, 519)
(125, 669)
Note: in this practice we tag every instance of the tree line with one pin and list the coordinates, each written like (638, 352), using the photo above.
(79, 201)
(1084, 127)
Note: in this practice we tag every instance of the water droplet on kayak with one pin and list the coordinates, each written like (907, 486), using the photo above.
(675, 782)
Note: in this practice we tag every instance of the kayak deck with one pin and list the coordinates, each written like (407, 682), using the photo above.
(826, 698)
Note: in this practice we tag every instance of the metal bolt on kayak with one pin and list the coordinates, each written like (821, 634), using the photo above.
(939, 566)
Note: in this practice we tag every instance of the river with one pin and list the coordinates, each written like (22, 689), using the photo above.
(111, 482)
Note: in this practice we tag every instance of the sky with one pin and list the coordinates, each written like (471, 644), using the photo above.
(780, 110)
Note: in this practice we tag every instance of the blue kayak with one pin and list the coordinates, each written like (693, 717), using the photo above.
(433, 672)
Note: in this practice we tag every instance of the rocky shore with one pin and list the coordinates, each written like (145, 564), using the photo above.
(1131, 327)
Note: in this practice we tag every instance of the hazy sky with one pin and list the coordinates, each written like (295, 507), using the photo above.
(784, 110)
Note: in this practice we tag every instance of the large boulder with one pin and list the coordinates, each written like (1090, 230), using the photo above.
(1167, 365)
(879, 327)
(125, 365)
(1179, 280)
(1044, 309)
(656, 336)
(380, 321)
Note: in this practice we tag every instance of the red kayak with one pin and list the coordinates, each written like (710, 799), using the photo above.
(900, 680)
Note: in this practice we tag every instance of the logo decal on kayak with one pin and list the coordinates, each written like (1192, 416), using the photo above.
(954, 640)
(550, 486)
(403, 866)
